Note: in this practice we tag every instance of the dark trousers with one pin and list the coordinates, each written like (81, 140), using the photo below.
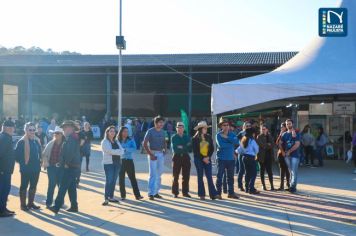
(87, 158)
(251, 172)
(319, 153)
(266, 166)
(54, 177)
(29, 178)
(241, 172)
(5, 186)
(128, 166)
(68, 183)
(207, 169)
(354, 154)
(181, 162)
(111, 173)
(284, 172)
(309, 157)
(229, 166)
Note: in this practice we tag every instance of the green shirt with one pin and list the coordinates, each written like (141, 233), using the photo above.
(181, 144)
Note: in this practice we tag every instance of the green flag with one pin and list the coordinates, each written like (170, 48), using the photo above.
(185, 120)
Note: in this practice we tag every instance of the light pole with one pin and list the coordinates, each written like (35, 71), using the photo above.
(121, 45)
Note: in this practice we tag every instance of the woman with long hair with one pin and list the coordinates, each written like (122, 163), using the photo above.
(28, 154)
(249, 149)
(203, 149)
(283, 168)
(86, 136)
(51, 162)
(112, 151)
(127, 165)
(265, 156)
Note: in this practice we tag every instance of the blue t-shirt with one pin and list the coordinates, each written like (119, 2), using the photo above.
(288, 142)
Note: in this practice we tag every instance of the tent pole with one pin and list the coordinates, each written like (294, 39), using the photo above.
(214, 122)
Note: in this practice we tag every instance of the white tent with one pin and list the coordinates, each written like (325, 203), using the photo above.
(327, 66)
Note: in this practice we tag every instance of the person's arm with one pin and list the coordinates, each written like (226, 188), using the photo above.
(107, 148)
(175, 146)
(255, 147)
(147, 148)
(189, 144)
(211, 147)
(295, 146)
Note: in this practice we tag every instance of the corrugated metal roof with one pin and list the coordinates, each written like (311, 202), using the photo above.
(208, 59)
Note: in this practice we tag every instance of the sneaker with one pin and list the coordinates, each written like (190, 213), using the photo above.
(233, 196)
(203, 198)
(187, 195)
(158, 196)
(242, 189)
(254, 192)
(280, 189)
(218, 197)
(151, 197)
(24, 208)
(72, 209)
(105, 203)
(139, 198)
(175, 195)
(113, 200)
(53, 209)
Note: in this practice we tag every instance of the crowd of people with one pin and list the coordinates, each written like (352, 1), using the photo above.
(61, 148)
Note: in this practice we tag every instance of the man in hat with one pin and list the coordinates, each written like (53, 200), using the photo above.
(181, 146)
(7, 163)
(70, 162)
(226, 141)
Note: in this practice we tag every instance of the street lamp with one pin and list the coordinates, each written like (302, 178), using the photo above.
(121, 45)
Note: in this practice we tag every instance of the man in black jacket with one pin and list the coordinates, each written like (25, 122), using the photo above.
(7, 162)
(70, 162)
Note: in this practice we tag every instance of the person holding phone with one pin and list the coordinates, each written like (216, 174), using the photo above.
(155, 145)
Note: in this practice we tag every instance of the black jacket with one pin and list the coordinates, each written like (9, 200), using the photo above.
(70, 152)
(196, 146)
(7, 154)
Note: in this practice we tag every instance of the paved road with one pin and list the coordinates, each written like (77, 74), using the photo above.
(326, 205)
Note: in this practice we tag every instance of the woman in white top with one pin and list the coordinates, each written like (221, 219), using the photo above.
(112, 151)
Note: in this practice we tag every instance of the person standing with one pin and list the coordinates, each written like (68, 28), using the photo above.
(290, 143)
(28, 153)
(181, 146)
(112, 150)
(241, 167)
(226, 141)
(52, 126)
(86, 136)
(51, 162)
(41, 135)
(265, 156)
(249, 150)
(203, 149)
(307, 140)
(127, 165)
(155, 145)
(7, 163)
(354, 150)
(70, 164)
(283, 168)
(320, 144)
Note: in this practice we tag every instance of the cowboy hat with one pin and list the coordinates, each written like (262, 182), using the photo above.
(202, 124)
(57, 129)
(223, 120)
(69, 123)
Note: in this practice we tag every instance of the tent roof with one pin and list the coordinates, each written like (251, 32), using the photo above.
(326, 66)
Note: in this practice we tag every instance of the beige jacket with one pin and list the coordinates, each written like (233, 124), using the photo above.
(46, 154)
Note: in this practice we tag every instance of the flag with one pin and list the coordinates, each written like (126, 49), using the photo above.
(185, 120)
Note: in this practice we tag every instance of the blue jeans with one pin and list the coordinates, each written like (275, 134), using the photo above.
(67, 183)
(207, 168)
(5, 186)
(111, 174)
(293, 164)
(241, 171)
(155, 172)
(229, 166)
(54, 177)
(250, 165)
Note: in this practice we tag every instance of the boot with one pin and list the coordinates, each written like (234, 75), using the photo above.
(31, 198)
(271, 183)
(23, 194)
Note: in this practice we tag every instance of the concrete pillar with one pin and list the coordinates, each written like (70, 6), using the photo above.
(108, 94)
(29, 97)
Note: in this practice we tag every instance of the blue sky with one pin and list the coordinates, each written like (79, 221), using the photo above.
(161, 26)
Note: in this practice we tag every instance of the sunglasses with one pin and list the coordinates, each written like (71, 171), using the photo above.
(32, 130)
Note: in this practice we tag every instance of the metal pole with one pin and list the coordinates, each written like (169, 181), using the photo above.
(29, 97)
(343, 139)
(119, 92)
(190, 96)
(108, 94)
